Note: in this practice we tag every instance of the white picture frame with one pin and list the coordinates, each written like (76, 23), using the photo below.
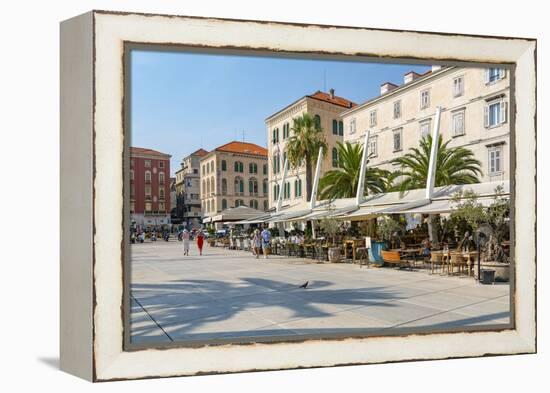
(92, 192)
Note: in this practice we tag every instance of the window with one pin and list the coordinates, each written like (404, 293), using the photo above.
(253, 204)
(239, 202)
(207, 187)
(161, 164)
(161, 193)
(161, 177)
(224, 187)
(265, 204)
(397, 109)
(458, 86)
(286, 130)
(253, 186)
(397, 140)
(335, 127)
(239, 186)
(203, 191)
(341, 128)
(132, 207)
(265, 169)
(131, 175)
(212, 187)
(495, 160)
(253, 168)
(458, 123)
(147, 177)
(352, 127)
(286, 190)
(147, 192)
(207, 206)
(265, 187)
(132, 191)
(148, 207)
(425, 127)
(203, 170)
(224, 165)
(147, 163)
(162, 207)
(317, 120)
(275, 138)
(131, 163)
(493, 75)
(372, 116)
(276, 163)
(239, 167)
(297, 188)
(495, 113)
(424, 99)
(276, 192)
(335, 157)
(373, 146)
(224, 203)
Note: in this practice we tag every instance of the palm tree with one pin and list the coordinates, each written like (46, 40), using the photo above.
(304, 144)
(455, 165)
(343, 182)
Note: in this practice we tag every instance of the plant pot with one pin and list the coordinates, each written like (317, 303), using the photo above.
(334, 254)
(502, 270)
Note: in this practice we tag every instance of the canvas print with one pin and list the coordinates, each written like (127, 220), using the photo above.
(286, 198)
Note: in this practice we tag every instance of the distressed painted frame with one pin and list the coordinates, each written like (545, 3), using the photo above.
(92, 189)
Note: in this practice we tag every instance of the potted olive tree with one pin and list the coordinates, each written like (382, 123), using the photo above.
(493, 222)
(388, 230)
(331, 228)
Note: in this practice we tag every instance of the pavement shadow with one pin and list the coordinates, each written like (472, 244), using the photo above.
(182, 306)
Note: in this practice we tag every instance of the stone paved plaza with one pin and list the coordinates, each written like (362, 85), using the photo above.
(226, 294)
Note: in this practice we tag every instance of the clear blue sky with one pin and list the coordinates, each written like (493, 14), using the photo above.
(184, 101)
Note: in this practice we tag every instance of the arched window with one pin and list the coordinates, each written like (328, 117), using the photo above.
(161, 177)
(224, 165)
(317, 120)
(335, 127)
(161, 193)
(212, 166)
(224, 203)
(212, 188)
(334, 157)
(224, 186)
(239, 186)
(147, 177)
(207, 187)
(265, 169)
(341, 128)
(207, 206)
(203, 191)
(253, 186)
(253, 204)
(264, 187)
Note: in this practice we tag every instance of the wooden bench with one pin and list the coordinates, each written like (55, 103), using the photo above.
(394, 258)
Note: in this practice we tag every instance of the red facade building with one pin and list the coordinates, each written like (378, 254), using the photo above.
(149, 187)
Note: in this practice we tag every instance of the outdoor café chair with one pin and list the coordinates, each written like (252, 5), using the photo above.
(436, 259)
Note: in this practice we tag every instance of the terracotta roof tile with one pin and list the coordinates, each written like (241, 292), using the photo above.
(336, 100)
(151, 152)
(243, 148)
(201, 153)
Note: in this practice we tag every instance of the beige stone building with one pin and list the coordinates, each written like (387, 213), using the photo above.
(326, 109)
(475, 114)
(188, 205)
(232, 175)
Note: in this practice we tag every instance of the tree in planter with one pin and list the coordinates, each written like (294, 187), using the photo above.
(454, 165)
(331, 228)
(388, 228)
(496, 217)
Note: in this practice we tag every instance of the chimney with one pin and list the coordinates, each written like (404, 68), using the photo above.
(331, 91)
(410, 76)
(387, 87)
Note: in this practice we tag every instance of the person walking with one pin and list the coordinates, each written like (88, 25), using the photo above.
(185, 238)
(266, 239)
(200, 241)
(257, 243)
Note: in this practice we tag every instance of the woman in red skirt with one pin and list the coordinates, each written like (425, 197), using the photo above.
(200, 241)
